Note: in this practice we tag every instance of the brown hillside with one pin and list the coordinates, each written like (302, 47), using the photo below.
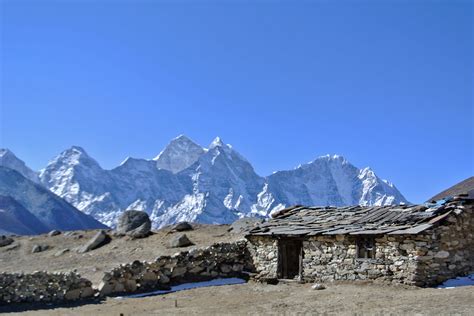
(466, 186)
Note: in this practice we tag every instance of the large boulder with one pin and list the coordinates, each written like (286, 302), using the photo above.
(183, 226)
(39, 248)
(54, 233)
(5, 241)
(245, 224)
(180, 241)
(99, 239)
(135, 224)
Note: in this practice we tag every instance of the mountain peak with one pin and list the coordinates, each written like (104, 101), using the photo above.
(217, 142)
(334, 157)
(182, 137)
(75, 155)
(76, 150)
(10, 160)
(179, 154)
(5, 152)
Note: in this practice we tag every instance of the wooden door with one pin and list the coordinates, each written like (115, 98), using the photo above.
(290, 256)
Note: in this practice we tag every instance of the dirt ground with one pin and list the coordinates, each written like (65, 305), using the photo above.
(283, 299)
(92, 264)
(244, 299)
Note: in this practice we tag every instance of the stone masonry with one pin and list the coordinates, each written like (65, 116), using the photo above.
(219, 260)
(429, 258)
(43, 287)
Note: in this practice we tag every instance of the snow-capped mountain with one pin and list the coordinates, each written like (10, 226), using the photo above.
(179, 154)
(329, 180)
(36, 208)
(9, 160)
(210, 185)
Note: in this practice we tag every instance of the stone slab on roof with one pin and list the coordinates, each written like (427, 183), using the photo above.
(359, 220)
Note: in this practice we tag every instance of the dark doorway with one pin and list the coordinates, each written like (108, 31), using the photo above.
(290, 256)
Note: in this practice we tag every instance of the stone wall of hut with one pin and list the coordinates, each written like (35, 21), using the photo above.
(425, 259)
(264, 256)
(329, 258)
(446, 251)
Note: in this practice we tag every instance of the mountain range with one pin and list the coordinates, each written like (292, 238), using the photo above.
(28, 208)
(187, 182)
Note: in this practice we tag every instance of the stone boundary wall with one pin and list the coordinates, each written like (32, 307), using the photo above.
(201, 264)
(219, 260)
(42, 286)
(264, 253)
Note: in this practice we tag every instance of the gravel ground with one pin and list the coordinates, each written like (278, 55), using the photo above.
(284, 299)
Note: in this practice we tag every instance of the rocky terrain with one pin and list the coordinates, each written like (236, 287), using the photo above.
(63, 251)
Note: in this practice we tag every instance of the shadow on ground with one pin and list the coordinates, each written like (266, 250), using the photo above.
(23, 307)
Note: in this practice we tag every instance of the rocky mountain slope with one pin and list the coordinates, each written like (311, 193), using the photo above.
(29, 208)
(16, 219)
(208, 185)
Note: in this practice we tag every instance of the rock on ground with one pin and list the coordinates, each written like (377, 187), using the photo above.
(183, 226)
(61, 252)
(99, 239)
(39, 248)
(318, 286)
(180, 241)
(135, 224)
(54, 233)
(5, 241)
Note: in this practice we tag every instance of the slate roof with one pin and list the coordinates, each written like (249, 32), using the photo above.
(360, 220)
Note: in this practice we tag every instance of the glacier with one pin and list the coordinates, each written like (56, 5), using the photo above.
(187, 182)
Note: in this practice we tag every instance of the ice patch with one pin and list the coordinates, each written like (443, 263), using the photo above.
(457, 282)
(188, 286)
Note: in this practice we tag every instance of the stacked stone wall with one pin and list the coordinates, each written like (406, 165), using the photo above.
(219, 260)
(335, 258)
(264, 254)
(447, 251)
(43, 287)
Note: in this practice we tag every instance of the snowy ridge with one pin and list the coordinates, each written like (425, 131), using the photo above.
(9, 160)
(187, 182)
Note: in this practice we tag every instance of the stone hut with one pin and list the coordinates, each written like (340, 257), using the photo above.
(420, 245)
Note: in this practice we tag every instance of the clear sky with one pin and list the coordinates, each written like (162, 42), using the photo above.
(387, 84)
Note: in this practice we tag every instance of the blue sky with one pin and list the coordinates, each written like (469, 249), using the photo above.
(387, 84)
